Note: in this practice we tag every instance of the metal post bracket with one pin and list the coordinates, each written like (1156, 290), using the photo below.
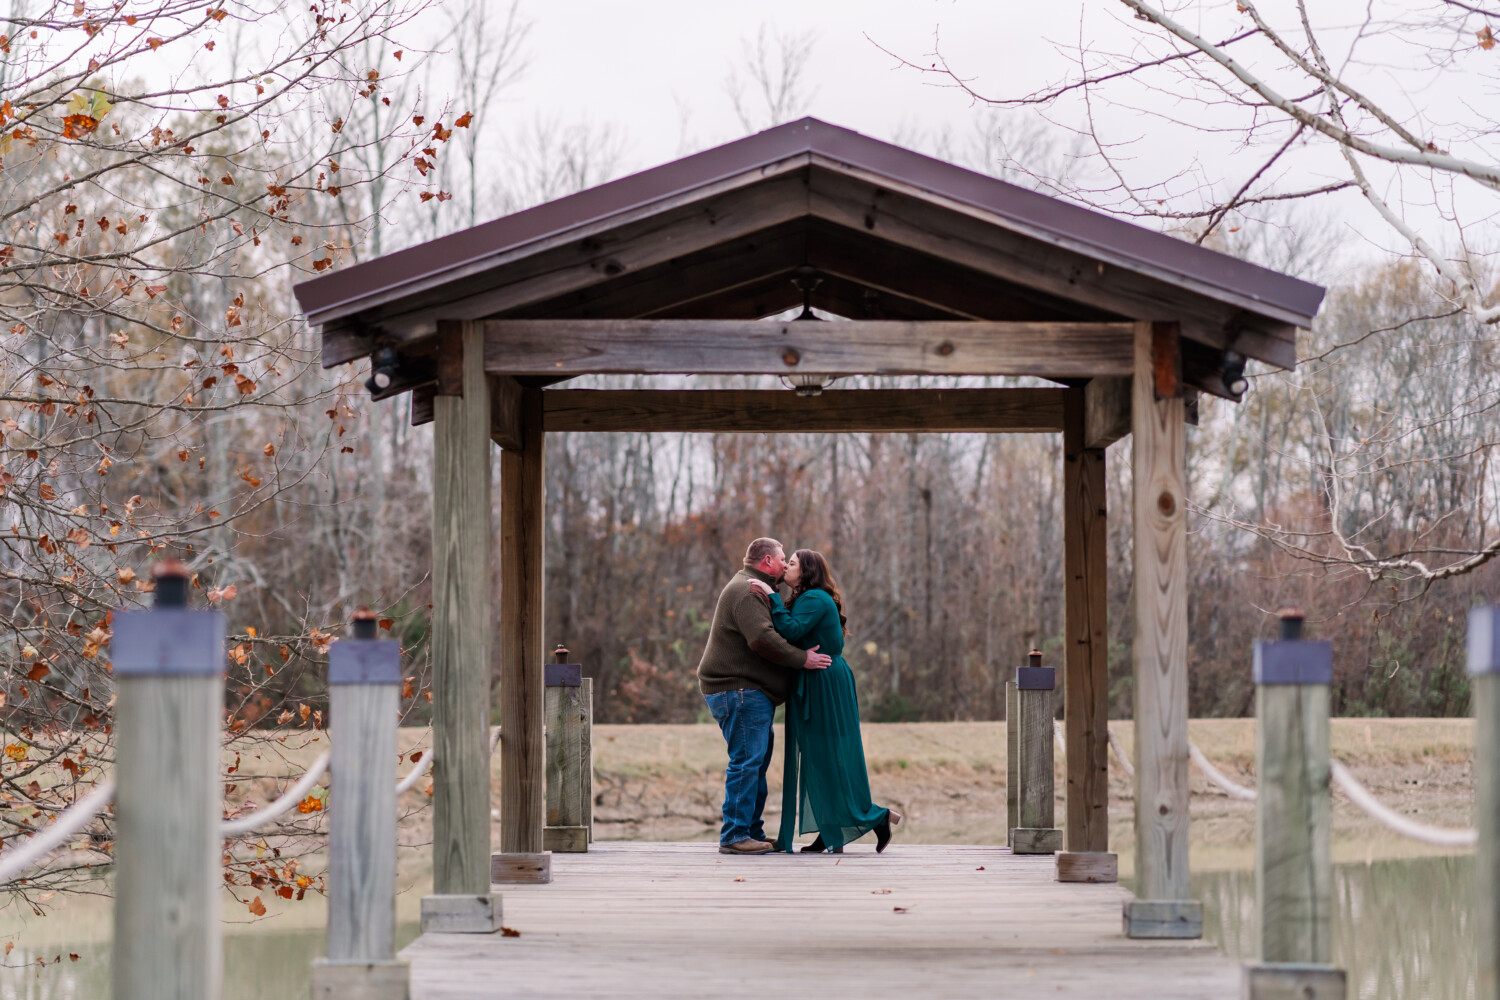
(1294, 661)
(168, 642)
(365, 661)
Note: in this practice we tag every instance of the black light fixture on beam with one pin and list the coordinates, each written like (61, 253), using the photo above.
(383, 365)
(1232, 373)
(807, 279)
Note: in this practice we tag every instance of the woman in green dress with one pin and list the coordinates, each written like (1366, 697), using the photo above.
(825, 787)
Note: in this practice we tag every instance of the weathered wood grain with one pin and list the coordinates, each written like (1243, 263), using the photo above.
(1486, 688)
(566, 760)
(461, 616)
(1086, 628)
(362, 824)
(1160, 653)
(522, 749)
(842, 347)
(1012, 759)
(1293, 833)
(639, 921)
(1106, 411)
(505, 412)
(1087, 866)
(588, 757)
(167, 846)
(767, 411)
(1035, 831)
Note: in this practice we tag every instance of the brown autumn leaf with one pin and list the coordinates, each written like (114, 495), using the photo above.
(463, 120)
(509, 932)
(281, 719)
(46, 492)
(155, 43)
(304, 711)
(1486, 38)
(245, 385)
(386, 623)
(416, 755)
(257, 908)
(269, 450)
(285, 891)
(37, 672)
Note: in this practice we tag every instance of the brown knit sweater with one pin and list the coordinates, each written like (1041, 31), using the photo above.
(743, 649)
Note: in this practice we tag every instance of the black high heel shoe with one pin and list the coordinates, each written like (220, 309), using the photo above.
(883, 829)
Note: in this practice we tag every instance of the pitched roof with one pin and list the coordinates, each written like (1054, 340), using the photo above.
(434, 266)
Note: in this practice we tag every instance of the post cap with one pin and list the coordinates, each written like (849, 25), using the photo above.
(364, 622)
(1292, 620)
(171, 576)
(1035, 657)
(560, 654)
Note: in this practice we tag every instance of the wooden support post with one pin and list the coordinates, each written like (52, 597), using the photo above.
(587, 756)
(1484, 668)
(567, 749)
(1034, 832)
(522, 746)
(1293, 809)
(1163, 907)
(1012, 761)
(1086, 652)
(461, 613)
(169, 670)
(364, 678)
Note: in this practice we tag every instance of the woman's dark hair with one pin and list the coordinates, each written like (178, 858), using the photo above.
(817, 575)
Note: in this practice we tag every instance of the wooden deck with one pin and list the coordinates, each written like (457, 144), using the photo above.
(680, 920)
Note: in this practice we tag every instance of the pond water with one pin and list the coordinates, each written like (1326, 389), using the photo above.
(1401, 928)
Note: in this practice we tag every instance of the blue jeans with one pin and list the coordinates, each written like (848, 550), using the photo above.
(744, 717)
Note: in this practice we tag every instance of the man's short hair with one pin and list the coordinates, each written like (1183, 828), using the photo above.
(759, 549)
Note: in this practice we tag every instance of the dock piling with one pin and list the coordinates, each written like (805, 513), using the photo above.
(169, 672)
(1484, 671)
(566, 700)
(1293, 808)
(364, 677)
(1034, 832)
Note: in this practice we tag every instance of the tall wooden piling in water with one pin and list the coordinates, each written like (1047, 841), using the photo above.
(169, 672)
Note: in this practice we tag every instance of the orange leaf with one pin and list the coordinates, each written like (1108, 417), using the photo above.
(1486, 38)
(257, 908)
(463, 120)
(37, 672)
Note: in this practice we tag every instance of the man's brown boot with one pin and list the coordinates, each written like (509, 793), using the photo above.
(746, 846)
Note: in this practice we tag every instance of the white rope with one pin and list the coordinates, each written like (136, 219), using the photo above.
(289, 798)
(1394, 820)
(72, 819)
(1114, 742)
(405, 784)
(1217, 777)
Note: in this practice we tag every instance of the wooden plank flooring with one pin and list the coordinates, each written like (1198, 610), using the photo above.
(680, 920)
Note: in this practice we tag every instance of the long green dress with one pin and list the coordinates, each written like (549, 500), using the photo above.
(825, 787)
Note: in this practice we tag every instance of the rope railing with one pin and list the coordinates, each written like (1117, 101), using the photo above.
(42, 843)
(1213, 774)
(1114, 744)
(1396, 822)
(289, 798)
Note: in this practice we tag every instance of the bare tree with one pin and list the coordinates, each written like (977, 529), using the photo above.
(768, 86)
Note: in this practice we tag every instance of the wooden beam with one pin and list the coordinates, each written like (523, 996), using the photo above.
(1106, 411)
(773, 411)
(505, 412)
(1086, 631)
(1158, 456)
(970, 239)
(461, 616)
(755, 347)
(522, 750)
(590, 255)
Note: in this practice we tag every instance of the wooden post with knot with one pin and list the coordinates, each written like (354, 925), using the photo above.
(568, 702)
(169, 672)
(1035, 831)
(364, 683)
(1293, 809)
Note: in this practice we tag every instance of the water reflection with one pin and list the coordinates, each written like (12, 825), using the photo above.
(1400, 928)
(258, 965)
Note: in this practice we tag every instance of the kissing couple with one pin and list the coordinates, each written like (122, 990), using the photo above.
(763, 652)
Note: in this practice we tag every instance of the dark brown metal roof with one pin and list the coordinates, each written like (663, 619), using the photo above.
(1107, 239)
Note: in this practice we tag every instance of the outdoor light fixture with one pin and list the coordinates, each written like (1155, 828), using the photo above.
(1232, 371)
(383, 370)
(806, 279)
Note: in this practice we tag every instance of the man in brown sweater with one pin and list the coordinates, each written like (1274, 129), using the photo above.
(746, 671)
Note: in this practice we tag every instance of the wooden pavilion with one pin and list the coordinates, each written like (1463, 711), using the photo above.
(937, 271)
